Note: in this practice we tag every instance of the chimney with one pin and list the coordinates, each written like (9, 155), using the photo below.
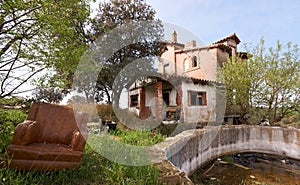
(190, 44)
(174, 37)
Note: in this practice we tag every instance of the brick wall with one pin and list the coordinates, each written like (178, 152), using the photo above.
(158, 100)
(144, 110)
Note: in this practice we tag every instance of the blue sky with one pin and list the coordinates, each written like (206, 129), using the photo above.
(211, 20)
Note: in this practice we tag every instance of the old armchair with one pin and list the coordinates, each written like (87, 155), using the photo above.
(51, 138)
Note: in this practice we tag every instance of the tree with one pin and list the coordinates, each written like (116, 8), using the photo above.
(279, 87)
(38, 35)
(267, 82)
(138, 27)
(238, 84)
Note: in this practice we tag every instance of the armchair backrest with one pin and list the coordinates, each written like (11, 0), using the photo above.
(57, 122)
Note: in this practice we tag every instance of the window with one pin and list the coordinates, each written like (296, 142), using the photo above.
(186, 64)
(197, 98)
(134, 100)
(167, 68)
(195, 61)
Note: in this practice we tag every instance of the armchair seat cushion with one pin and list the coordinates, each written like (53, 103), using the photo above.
(44, 151)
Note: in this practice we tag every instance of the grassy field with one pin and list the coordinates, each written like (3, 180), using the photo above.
(95, 169)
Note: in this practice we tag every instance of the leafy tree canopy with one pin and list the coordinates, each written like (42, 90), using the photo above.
(137, 36)
(268, 83)
(38, 34)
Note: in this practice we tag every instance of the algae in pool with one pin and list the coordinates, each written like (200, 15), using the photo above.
(249, 169)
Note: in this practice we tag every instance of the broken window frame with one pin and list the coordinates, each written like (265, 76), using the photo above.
(134, 100)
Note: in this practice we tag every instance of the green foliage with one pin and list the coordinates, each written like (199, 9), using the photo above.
(285, 120)
(291, 120)
(268, 81)
(11, 101)
(40, 34)
(133, 41)
(139, 138)
(228, 159)
(295, 118)
(8, 121)
(121, 174)
(95, 170)
(237, 84)
(166, 129)
(12, 116)
(106, 112)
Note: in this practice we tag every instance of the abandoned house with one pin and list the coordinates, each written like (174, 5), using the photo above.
(187, 87)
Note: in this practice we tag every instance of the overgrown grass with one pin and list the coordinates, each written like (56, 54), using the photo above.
(8, 121)
(95, 169)
(138, 138)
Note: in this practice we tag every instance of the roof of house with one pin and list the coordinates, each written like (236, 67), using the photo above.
(182, 77)
(217, 45)
(232, 36)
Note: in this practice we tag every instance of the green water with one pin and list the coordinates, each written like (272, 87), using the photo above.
(249, 169)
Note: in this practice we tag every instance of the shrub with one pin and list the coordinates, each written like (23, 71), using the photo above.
(8, 121)
(13, 116)
(285, 120)
(167, 129)
(139, 138)
(295, 118)
(11, 101)
(106, 112)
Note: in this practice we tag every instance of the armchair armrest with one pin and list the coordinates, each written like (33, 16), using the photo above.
(25, 133)
(78, 141)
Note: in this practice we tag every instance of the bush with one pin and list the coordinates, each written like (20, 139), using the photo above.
(295, 118)
(8, 121)
(167, 129)
(13, 116)
(11, 101)
(139, 138)
(106, 112)
(285, 120)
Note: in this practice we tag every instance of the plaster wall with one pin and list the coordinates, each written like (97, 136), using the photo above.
(194, 114)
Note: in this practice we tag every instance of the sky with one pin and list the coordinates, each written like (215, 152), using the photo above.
(211, 20)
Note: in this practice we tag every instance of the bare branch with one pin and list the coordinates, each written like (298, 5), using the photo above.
(18, 17)
(9, 44)
(7, 75)
(21, 66)
(16, 24)
(24, 91)
(6, 62)
(20, 84)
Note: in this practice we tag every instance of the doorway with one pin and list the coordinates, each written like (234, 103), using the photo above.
(166, 97)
